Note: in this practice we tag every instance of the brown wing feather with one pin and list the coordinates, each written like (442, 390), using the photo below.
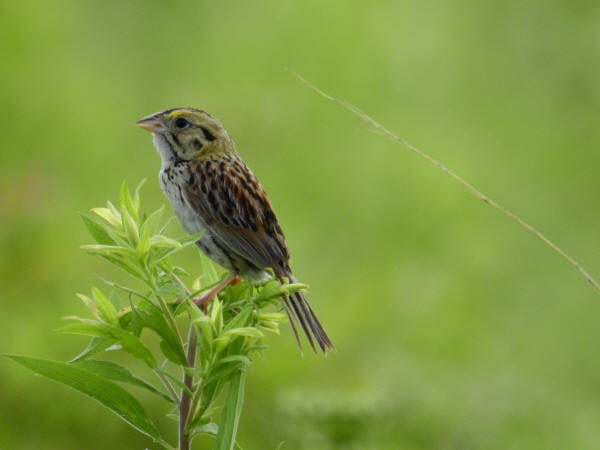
(237, 212)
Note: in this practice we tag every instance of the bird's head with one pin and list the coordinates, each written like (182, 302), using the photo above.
(187, 134)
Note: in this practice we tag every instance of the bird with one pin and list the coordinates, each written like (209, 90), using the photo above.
(213, 191)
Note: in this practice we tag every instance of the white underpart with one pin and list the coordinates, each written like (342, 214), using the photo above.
(161, 144)
(190, 220)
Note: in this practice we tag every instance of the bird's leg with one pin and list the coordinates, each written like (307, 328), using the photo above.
(208, 296)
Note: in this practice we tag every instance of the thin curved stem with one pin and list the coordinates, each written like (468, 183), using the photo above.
(163, 306)
(469, 187)
(169, 386)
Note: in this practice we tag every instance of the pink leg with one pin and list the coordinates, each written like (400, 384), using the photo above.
(208, 296)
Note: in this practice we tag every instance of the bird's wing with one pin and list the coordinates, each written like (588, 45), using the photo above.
(237, 212)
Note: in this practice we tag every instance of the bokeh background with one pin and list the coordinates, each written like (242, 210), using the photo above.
(456, 329)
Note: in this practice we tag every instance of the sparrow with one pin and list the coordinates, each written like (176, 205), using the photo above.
(213, 191)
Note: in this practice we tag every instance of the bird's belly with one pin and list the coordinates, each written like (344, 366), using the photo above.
(192, 222)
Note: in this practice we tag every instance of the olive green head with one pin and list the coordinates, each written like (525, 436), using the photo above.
(187, 134)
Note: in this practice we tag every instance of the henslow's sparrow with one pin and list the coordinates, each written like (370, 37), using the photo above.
(212, 190)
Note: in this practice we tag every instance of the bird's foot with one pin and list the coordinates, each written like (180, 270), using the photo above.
(203, 301)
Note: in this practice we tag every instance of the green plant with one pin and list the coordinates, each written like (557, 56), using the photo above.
(219, 343)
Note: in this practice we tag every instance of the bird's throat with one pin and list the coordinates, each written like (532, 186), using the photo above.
(166, 150)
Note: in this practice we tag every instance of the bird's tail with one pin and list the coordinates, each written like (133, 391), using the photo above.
(299, 312)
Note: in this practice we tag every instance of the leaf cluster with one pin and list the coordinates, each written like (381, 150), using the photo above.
(221, 339)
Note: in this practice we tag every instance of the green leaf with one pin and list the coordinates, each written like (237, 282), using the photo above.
(208, 271)
(130, 343)
(97, 231)
(221, 342)
(148, 229)
(294, 287)
(244, 331)
(170, 289)
(126, 202)
(112, 208)
(238, 358)
(222, 373)
(173, 414)
(171, 355)
(158, 240)
(159, 254)
(241, 319)
(136, 194)
(110, 216)
(152, 317)
(133, 345)
(120, 263)
(143, 246)
(88, 328)
(175, 381)
(216, 315)
(226, 366)
(99, 249)
(272, 327)
(112, 396)
(130, 227)
(271, 317)
(169, 221)
(107, 309)
(256, 348)
(90, 305)
(96, 345)
(202, 321)
(232, 410)
(180, 271)
(209, 429)
(116, 372)
(190, 239)
(131, 322)
(240, 291)
(270, 290)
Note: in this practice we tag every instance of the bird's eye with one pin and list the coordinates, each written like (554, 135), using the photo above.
(181, 123)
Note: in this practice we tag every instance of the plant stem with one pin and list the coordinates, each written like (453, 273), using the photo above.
(169, 386)
(188, 381)
(166, 311)
(163, 305)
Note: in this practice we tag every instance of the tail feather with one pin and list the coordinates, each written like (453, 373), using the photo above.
(297, 317)
(320, 334)
(300, 312)
(288, 310)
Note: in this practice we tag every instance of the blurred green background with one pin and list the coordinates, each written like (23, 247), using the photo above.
(456, 329)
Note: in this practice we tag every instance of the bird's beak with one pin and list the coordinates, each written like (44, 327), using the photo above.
(152, 123)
